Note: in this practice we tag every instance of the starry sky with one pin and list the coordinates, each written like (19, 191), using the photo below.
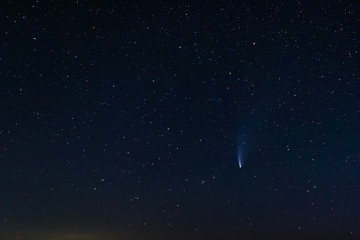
(126, 120)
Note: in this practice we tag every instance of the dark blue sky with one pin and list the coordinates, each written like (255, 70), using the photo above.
(122, 120)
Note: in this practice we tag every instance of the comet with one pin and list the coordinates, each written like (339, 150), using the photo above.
(239, 158)
(242, 144)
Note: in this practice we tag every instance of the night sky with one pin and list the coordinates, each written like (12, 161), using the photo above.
(124, 120)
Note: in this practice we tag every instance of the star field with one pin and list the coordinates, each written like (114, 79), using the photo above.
(123, 120)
